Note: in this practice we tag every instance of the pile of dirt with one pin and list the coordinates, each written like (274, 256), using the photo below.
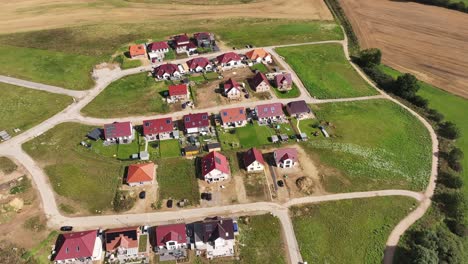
(305, 184)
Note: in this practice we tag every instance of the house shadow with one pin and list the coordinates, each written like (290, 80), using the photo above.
(124, 176)
(269, 158)
(240, 160)
(198, 168)
(127, 54)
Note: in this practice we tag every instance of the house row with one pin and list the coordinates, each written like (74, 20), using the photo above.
(215, 237)
(166, 128)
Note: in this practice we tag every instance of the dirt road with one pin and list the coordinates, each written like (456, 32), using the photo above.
(428, 41)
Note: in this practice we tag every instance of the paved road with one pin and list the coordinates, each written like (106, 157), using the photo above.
(104, 77)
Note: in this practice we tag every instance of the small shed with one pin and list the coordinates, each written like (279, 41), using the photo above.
(191, 150)
(144, 155)
(176, 134)
(4, 135)
(274, 138)
(284, 137)
(303, 137)
(213, 147)
(95, 134)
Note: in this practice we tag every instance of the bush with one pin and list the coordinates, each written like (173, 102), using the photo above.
(435, 115)
(369, 57)
(123, 201)
(449, 180)
(406, 86)
(382, 79)
(419, 101)
(449, 130)
(451, 202)
(456, 226)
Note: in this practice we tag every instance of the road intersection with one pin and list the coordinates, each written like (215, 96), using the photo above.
(105, 76)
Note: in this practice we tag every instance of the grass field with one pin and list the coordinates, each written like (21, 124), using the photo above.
(65, 56)
(260, 67)
(75, 172)
(177, 180)
(7, 166)
(261, 240)
(325, 71)
(366, 146)
(23, 108)
(349, 231)
(293, 93)
(132, 95)
(169, 148)
(67, 70)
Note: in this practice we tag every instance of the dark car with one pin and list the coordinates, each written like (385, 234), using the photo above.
(280, 183)
(66, 228)
(142, 195)
(169, 204)
(206, 196)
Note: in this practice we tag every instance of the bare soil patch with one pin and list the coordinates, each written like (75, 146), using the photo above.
(427, 41)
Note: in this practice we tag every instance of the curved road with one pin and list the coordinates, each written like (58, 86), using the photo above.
(104, 77)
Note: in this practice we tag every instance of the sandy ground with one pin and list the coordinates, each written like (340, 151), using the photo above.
(26, 15)
(428, 41)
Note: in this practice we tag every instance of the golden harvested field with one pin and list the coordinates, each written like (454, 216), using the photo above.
(428, 41)
(27, 15)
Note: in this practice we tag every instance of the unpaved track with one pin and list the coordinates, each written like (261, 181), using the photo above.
(12, 148)
(428, 41)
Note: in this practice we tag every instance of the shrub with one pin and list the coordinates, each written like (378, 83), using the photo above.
(449, 180)
(123, 201)
(419, 101)
(406, 86)
(369, 57)
(435, 115)
(449, 130)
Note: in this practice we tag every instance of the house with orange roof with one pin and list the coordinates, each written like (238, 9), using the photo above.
(141, 174)
(123, 244)
(137, 51)
(233, 117)
(259, 55)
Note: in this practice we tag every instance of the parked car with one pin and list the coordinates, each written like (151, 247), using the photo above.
(142, 195)
(280, 183)
(206, 196)
(169, 204)
(66, 228)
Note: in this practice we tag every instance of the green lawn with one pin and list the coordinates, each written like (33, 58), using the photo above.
(325, 71)
(7, 166)
(118, 151)
(65, 56)
(75, 172)
(169, 148)
(126, 63)
(211, 76)
(348, 231)
(177, 180)
(261, 240)
(71, 71)
(375, 144)
(130, 96)
(307, 126)
(293, 93)
(24, 108)
(260, 67)
(143, 243)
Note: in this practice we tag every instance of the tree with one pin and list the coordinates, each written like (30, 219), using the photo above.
(449, 180)
(369, 57)
(455, 155)
(450, 247)
(423, 255)
(419, 101)
(406, 86)
(435, 115)
(451, 202)
(449, 130)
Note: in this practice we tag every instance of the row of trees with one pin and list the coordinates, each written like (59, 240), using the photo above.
(460, 6)
(437, 244)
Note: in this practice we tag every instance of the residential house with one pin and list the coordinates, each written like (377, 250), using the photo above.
(259, 56)
(141, 174)
(285, 157)
(158, 129)
(260, 83)
(167, 71)
(123, 243)
(199, 64)
(179, 92)
(191, 150)
(215, 236)
(196, 123)
(232, 89)
(84, 246)
(137, 51)
(233, 117)
(171, 237)
(253, 160)
(229, 60)
(298, 109)
(215, 167)
(181, 43)
(267, 113)
(216, 146)
(119, 132)
(160, 47)
(204, 39)
(283, 81)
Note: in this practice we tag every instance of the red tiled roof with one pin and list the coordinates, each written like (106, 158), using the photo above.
(158, 45)
(136, 50)
(227, 57)
(269, 110)
(156, 126)
(231, 84)
(140, 172)
(280, 78)
(258, 79)
(166, 68)
(252, 155)
(126, 237)
(284, 154)
(196, 120)
(297, 107)
(181, 39)
(118, 129)
(256, 53)
(175, 232)
(195, 62)
(180, 89)
(75, 245)
(191, 45)
(202, 35)
(235, 114)
(215, 160)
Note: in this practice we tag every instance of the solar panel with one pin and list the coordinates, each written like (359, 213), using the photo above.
(241, 111)
(168, 121)
(147, 124)
(187, 119)
(204, 117)
(224, 113)
(217, 160)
